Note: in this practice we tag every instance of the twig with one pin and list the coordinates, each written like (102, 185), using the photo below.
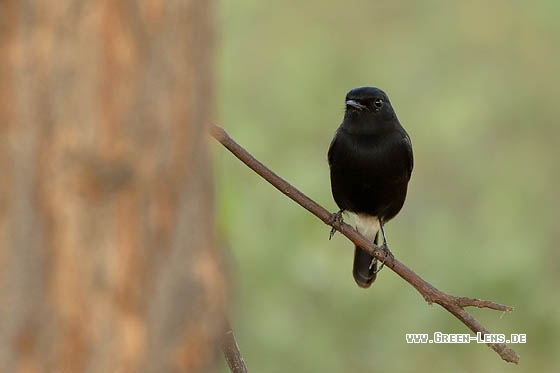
(455, 305)
(231, 352)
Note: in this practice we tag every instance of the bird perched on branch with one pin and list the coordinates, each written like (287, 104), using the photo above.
(370, 159)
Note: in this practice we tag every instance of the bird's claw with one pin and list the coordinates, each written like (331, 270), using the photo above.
(335, 219)
(372, 265)
(388, 254)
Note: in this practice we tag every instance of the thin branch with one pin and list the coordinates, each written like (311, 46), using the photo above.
(231, 351)
(455, 305)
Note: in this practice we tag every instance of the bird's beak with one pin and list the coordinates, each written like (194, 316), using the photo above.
(354, 104)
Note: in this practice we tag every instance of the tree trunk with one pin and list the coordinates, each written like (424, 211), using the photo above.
(107, 257)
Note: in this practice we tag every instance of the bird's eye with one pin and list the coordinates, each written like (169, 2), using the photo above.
(378, 103)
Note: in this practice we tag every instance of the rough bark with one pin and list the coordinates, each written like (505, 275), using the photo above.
(107, 259)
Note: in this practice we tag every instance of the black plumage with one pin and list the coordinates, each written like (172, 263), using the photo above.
(370, 159)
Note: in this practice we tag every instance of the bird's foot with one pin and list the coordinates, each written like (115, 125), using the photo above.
(334, 220)
(388, 254)
(373, 265)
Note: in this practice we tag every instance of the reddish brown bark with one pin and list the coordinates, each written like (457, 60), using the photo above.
(107, 258)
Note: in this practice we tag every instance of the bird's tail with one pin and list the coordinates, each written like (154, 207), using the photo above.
(364, 271)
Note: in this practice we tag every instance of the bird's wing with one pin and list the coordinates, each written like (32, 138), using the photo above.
(330, 154)
(408, 147)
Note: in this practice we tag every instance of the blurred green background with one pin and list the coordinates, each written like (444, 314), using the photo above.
(476, 85)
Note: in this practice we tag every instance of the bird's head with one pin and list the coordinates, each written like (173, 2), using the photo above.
(369, 102)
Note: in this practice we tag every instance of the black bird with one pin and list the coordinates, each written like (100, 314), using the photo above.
(370, 159)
